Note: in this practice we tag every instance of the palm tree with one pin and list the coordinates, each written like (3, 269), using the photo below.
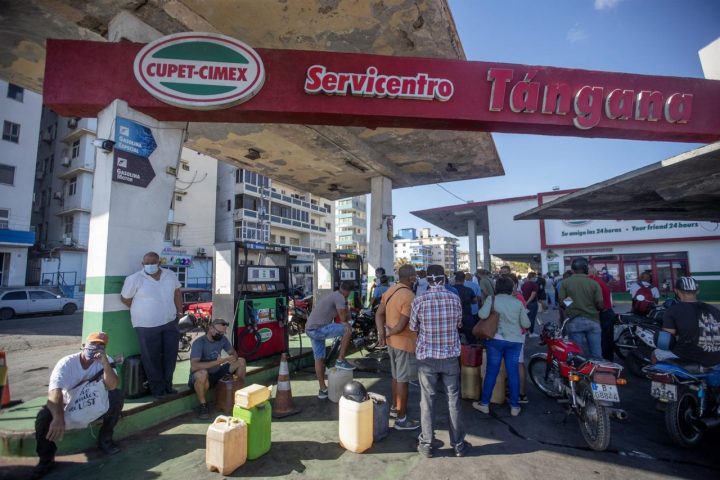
(399, 262)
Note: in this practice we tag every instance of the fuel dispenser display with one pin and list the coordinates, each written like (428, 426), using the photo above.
(251, 287)
(333, 268)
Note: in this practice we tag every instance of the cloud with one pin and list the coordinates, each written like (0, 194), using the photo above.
(577, 34)
(606, 4)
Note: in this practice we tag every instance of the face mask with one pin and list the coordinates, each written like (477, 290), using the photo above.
(217, 336)
(151, 269)
(90, 350)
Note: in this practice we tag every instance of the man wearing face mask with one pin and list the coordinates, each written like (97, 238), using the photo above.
(69, 373)
(207, 366)
(153, 295)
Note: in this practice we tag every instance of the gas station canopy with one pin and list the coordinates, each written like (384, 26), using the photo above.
(329, 161)
(684, 187)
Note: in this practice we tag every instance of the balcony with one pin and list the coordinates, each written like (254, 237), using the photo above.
(84, 126)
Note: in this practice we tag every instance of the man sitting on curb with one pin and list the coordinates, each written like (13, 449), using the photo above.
(207, 366)
(71, 372)
(321, 326)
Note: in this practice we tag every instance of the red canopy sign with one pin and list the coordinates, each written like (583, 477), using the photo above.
(313, 87)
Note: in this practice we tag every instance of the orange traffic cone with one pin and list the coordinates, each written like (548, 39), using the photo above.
(4, 382)
(284, 405)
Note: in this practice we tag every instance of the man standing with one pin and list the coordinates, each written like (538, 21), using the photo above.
(321, 326)
(695, 325)
(607, 318)
(422, 283)
(392, 321)
(153, 295)
(207, 366)
(475, 287)
(581, 299)
(530, 291)
(436, 316)
(71, 372)
(379, 272)
(487, 289)
(467, 300)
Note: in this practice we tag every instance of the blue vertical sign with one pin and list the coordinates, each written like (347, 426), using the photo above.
(134, 138)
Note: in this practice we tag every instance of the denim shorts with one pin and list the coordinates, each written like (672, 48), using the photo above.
(318, 336)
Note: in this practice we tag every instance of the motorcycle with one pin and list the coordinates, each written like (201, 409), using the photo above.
(691, 394)
(635, 338)
(298, 312)
(363, 334)
(587, 386)
(189, 323)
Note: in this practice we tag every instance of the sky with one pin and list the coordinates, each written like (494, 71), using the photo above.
(653, 37)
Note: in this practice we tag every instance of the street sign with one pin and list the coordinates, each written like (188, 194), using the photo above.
(132, 169)
(134, 138)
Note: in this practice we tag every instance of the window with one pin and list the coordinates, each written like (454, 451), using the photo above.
(238, 175)
(295, 241)
(7, 174)
(15, 92)
(11, 132)
(282, 239)
(15, 296)
(76, 149)
(51, 160)
(328, 226)
(68, 222)
(41, 295)
(4, 218)
(72, 186)
(273, 239)
(229, 205)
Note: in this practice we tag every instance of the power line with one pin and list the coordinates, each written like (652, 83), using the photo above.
(451, 193)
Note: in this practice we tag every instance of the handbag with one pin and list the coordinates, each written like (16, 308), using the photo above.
(88, 402)
(487, 328)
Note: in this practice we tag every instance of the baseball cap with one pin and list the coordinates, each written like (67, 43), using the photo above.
(101, 337)
(220, 321)
(686, 284)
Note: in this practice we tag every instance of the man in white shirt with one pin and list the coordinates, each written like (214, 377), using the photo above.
(644, 281)
(153, 295)
(71, 372)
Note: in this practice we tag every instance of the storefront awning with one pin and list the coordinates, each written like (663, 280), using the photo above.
(684, 187)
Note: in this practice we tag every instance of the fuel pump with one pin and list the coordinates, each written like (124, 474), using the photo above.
(333, 268)
(251, 288)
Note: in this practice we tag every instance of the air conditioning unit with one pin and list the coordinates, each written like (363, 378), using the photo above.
(177, 242)
(46, 137)
(73, 122)
(67, 240)
(65, 162)
(58, 196)
(200, 252)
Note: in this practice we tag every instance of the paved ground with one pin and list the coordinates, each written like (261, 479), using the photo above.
(537, 444)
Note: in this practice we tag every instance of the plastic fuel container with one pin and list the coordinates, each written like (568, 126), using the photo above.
(337, 379)
(133, 378)
(470, 382)
(259, 423)
(381, 416)
(226, 445)
(225, 393)
(355, 425)
(252, 395)
(471, 355)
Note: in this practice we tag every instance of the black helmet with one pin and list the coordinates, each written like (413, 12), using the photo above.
(355, 391)
(580, 264)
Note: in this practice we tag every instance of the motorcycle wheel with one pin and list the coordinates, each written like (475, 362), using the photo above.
(635, 364)
(679, 417)
(594, 420)
(625, 338)
(537, 370)
(371, 342)
(294, 328)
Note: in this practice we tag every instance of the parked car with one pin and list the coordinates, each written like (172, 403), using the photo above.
(195, 295)
(27, 300)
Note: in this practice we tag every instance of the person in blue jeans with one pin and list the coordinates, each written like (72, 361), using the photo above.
(506, 344)
(581, 301)
(321, 326)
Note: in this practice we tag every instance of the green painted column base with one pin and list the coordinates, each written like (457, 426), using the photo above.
(117, 325)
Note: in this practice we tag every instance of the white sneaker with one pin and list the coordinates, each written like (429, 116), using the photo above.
(481, 408)
(515, 411)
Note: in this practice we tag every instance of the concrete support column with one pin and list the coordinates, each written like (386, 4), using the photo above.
(380, 250)
(126, 222)
(486, 251)
(472, 237)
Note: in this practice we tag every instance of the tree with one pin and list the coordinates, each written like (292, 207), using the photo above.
(399, 262)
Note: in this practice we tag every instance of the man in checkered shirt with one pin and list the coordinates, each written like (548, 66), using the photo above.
(436, 316)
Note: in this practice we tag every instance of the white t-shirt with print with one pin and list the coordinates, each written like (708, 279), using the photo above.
(68, 373)
(153, 301)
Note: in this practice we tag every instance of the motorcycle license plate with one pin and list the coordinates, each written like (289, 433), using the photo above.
(663, 391)
(609, 393)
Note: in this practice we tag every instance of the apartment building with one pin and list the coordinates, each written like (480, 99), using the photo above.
(426, 249)
(252, 207)
(351, 225)
(20, 116)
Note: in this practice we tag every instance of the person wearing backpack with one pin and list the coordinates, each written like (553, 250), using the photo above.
(644, 295)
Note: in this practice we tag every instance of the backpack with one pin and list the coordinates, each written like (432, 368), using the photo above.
(645, 302)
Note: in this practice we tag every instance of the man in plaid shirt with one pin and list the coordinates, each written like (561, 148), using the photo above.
(436, 316)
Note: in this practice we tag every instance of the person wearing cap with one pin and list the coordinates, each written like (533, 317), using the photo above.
(70, 372)
(155, 302)
(436, 317)
(695, 326)
(208, 366)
